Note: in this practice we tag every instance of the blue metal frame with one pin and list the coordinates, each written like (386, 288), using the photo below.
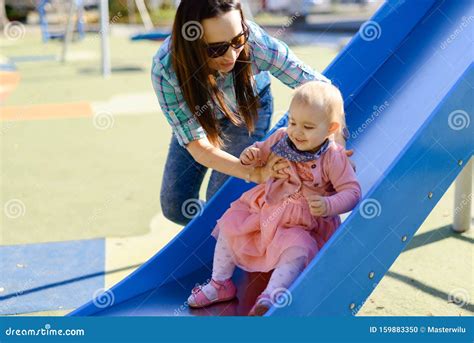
(153, 35)
(46, 34)
(405, 151)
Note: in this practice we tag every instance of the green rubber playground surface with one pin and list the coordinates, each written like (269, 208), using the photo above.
(66, 179)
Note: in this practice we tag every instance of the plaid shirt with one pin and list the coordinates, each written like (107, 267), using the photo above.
(268, 54)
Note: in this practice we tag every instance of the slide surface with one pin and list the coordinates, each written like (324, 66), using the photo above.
(407, 78)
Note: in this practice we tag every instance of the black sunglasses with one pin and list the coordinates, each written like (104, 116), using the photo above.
(215, 50)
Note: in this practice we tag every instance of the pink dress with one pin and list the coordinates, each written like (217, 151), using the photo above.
(271, 224)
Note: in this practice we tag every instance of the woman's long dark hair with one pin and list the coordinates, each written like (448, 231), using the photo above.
(197, 81)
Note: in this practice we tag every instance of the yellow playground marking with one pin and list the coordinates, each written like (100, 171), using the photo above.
(9, 80)
(46, 111)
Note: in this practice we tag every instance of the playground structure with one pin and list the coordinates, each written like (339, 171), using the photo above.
(76, 7)
(408, 93)
(154, 34)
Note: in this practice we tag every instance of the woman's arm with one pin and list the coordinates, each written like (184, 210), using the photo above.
(191, 135)
(209, 156)
(185, 126)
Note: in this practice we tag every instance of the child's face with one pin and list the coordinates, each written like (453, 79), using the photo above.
(307, 128)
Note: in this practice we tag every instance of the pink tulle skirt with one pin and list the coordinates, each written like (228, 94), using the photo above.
(263, 236)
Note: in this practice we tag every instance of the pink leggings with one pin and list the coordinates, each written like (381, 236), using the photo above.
(282, 277)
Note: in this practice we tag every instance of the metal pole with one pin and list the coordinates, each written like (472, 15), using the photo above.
(131, 11)
(144, 14)
(69, 30)
(3, 15)
(247, 10)
(104, 37)
(463, 199)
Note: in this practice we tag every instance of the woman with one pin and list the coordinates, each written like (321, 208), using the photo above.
(212, 81)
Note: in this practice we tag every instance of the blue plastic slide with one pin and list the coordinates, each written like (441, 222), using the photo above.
(407, 78)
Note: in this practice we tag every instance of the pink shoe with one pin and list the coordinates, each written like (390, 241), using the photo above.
(212, 292)
(262, 305)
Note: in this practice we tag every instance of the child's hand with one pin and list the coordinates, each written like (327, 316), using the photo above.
(317, 205)
(250, 156)
(349, 153)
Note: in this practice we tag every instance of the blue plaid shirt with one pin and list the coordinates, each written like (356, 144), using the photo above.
(268, 54)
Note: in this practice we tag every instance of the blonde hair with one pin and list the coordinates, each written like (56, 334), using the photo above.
(322, 96)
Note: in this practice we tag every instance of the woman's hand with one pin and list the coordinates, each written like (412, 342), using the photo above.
(276, 167)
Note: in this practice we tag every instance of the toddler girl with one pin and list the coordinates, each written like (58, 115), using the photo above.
(280, 225)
